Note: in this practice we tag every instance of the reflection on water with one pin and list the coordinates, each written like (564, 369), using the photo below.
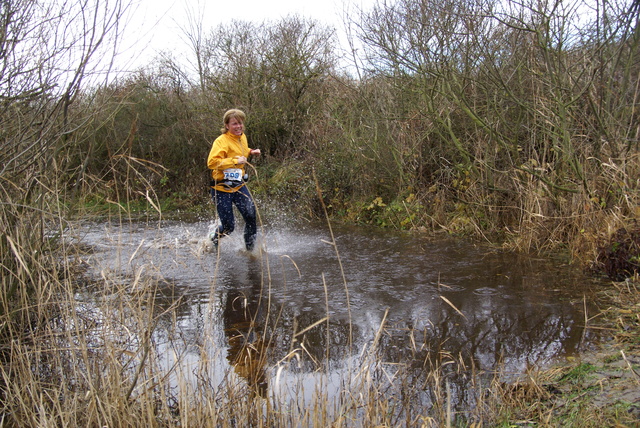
(281, 314)
(243, 320)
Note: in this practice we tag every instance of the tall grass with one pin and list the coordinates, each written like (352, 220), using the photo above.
(81, 351)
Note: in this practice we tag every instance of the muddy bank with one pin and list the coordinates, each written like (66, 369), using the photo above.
(596, 388)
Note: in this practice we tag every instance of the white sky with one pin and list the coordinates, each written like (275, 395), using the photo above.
(154, 25)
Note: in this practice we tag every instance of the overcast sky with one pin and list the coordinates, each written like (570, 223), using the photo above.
(155, 25)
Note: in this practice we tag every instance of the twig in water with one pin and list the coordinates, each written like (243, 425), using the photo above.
(635, 374)
(452, 305)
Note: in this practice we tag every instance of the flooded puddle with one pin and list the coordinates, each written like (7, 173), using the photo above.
(301, 311)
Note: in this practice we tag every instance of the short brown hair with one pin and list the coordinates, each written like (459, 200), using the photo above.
(234, 113)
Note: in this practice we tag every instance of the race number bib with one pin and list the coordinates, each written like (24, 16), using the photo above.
(233, 174)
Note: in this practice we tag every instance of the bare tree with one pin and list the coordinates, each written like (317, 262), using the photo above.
(193, 31)
(48, 50)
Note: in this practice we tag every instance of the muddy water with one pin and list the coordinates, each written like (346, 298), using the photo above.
(304, 304)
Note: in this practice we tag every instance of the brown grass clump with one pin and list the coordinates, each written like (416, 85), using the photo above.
(619, 258)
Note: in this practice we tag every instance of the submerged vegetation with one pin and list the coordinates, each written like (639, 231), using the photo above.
(511, 122)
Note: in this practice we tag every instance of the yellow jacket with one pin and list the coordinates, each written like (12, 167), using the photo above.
(223, 162)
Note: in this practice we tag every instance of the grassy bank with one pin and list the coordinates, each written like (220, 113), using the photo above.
(598, 388)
